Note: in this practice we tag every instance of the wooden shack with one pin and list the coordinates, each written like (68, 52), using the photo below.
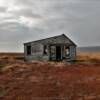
(55, 48)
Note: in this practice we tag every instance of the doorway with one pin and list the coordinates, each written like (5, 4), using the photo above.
(58, 53)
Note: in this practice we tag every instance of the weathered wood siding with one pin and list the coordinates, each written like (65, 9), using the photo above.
(37, 48)
(72, 52)
(36, 52)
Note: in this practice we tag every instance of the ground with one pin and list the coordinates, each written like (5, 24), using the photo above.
(36, 80)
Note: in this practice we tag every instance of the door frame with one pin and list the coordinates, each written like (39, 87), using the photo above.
(60, 52)
(55, 45)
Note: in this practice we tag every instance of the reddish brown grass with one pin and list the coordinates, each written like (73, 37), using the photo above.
(21, 80)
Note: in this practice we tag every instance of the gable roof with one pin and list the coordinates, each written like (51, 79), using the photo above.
(59, 39)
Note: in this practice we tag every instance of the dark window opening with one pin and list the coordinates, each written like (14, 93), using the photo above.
(45, 51)
(67, 51)
(28, 50)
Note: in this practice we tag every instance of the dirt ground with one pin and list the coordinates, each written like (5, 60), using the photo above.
(36, 80)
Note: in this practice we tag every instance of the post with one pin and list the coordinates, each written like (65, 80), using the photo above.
(49, 49)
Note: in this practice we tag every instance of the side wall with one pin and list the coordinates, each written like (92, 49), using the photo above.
(72, 52)
(36, 52)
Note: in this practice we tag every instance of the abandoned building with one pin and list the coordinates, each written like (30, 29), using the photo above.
(54, 48)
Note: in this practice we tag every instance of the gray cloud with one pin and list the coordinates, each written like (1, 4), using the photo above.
(26, 20)
(2, 9)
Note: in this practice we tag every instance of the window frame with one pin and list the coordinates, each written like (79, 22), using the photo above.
(67, 51)
(45, 50)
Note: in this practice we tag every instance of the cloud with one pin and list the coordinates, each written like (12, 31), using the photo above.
(26, 20)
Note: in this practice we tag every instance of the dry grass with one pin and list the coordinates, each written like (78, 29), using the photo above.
(36, 80)
(88, 57)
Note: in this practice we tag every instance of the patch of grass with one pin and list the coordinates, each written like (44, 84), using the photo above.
(94, 60)
(19, 58)
(2, 92)
(5, 58)
(1, 66)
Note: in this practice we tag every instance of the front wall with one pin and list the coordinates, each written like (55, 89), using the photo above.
(36, 52)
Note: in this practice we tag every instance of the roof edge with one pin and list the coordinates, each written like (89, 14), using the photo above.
(51, 37)
(69, 39)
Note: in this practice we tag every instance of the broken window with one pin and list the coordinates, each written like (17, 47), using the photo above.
(45, 51)
(67, 51)
(28, 50)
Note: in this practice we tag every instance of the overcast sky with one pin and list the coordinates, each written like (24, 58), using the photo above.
(28, 20)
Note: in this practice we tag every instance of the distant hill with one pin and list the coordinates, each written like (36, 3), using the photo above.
(89, 49)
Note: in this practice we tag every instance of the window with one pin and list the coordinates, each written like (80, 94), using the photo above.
(67, 51)
(45, 51)
(28, 50)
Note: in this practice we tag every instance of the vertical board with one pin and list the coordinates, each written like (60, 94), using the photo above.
(53, 52)
(72, 51)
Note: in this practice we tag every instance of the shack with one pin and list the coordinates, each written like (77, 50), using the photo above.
(55, 48)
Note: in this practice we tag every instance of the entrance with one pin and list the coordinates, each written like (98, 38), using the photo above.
(58, 53)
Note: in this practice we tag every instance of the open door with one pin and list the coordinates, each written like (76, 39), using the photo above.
(58, 53)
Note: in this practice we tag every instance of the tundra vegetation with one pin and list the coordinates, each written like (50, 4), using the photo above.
(38, 80)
